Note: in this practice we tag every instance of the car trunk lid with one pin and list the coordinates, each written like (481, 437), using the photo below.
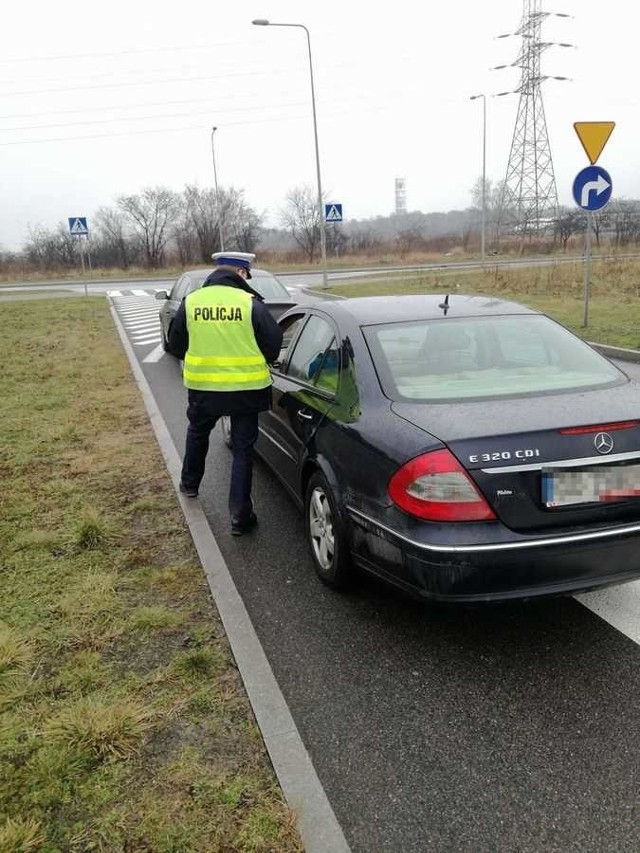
(561, 461)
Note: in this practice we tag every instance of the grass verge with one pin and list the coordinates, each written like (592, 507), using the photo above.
(555, 288)
(123, 721)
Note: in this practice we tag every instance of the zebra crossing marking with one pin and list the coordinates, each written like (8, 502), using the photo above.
(139, 317)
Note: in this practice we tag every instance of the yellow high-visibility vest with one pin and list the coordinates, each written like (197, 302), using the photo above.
(223, 354)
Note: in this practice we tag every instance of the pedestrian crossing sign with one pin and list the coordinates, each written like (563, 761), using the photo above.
(333, 212)
(78, 225)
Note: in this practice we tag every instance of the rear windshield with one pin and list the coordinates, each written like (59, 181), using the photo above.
(481, 357)
(264, 283)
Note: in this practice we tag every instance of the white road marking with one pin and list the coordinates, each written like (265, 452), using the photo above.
(155, 354)
(139, 317)
(145, 311)
(617, 605)
(138, 292)
(144, 324)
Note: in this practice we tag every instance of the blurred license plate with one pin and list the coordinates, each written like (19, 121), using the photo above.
(565, 486)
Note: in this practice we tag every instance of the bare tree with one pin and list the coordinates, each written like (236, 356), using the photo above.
(51, 249)
(243, 222)
(208, 214)
(409, 240)
(337, 239)
(202, 217)
(301, 217)
(152, 215)
(115, 245)
(493, 197)
(625, 221)
(570, 221)
(186, 239)
(362, 238)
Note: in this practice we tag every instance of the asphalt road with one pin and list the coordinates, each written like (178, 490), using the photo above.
(510, 728)
(293, 280)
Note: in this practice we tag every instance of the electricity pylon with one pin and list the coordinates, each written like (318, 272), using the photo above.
(529, 202)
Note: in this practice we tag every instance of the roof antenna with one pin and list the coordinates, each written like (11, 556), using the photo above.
(445, 305)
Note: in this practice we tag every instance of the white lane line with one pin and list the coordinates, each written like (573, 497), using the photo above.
(144, 311)
(617, 605)
(139, 315)
(140, 293)
(143, 324)
(113, 293)
(155, 354)
(143, 341)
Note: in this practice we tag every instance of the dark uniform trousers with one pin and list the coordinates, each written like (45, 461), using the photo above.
(203, 412)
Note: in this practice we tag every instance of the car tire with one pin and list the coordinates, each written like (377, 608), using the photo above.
(225, 426)
(325, 534)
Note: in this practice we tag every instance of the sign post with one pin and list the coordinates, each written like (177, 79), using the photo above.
(592, 188)
(591, 191)
(587, 269)
(78, 227)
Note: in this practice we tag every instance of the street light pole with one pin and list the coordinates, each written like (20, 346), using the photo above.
(484, 172)
(262, 22)
(215, 180)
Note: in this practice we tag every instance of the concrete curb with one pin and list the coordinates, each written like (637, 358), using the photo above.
(617, 352)
(316, 821)
(321, 294)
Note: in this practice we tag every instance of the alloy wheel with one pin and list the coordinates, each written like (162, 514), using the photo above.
(321, 528)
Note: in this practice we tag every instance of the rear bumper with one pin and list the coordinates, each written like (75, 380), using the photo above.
(496, 571)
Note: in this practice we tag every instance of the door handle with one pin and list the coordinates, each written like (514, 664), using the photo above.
(304, 416)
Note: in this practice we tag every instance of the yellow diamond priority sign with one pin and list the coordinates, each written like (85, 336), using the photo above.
(594, 136)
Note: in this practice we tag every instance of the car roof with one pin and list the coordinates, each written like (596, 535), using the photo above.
(208, 270)
(371, 310)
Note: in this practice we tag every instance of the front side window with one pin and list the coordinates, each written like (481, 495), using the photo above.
(308, 354)
(481, 357)
(325, 370)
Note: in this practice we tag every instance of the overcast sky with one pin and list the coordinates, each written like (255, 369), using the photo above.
(103, 99)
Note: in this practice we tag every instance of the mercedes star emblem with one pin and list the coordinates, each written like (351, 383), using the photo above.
(603, 442)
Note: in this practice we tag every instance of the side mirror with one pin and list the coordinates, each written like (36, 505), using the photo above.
(161, 295)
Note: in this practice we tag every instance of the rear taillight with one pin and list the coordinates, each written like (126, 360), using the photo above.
(436, 487)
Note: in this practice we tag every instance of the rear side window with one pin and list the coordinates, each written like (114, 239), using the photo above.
(186, 284)
(268, 285)
(481, 357)
(196, 280)
(179, 289)
(290, 327)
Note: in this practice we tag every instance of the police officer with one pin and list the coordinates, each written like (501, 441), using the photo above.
(227, 337)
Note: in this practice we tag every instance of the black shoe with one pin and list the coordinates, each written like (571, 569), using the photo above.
(241, 526)
(188, 492)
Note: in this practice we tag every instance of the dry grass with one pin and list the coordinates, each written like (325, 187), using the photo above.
(119, 702)
(555, 288)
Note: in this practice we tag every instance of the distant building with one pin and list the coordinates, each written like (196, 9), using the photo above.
(401, 196)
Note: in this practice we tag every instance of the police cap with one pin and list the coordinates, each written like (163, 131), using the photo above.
(234, 259)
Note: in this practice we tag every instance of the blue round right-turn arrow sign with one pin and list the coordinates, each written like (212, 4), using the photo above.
(592, 188)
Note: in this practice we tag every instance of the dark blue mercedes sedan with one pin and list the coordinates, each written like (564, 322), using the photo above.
(464, 448)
